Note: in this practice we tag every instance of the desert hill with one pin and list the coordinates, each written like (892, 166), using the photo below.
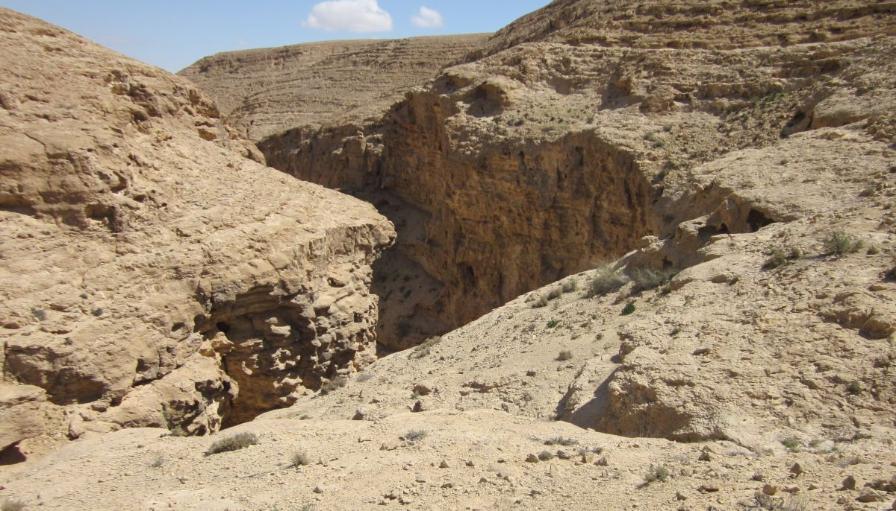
(660, 243)
(713, 24)
(546, 158)
(266, 91)
(141, 246)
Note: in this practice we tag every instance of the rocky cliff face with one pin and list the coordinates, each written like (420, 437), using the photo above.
(736, 351)
(550, 155)
(565, 148)
(152, 274)
(267, 91)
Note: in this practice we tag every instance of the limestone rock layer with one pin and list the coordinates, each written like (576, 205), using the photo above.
(574, 133)
(152, 273)
(266, 91)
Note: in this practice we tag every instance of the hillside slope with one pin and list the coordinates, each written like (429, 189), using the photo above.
(546, 158)
(712, 24)
(265, 91)
(674, 267)
(152, 274)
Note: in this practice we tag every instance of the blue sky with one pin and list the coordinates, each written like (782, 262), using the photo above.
(174, 33)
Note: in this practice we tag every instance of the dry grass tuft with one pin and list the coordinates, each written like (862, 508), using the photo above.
(780, 256)
(605, 280)
(232, 443)
(656, 473)
(299, 459)
(648, 278)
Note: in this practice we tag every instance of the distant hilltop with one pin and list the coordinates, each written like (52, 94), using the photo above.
(270, 90)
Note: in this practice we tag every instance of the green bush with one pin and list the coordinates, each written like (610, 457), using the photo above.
(628, 309)
(839, 243)
(792, 443)
(232, 443)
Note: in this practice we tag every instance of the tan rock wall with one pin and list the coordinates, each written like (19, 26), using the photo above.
(134, 222)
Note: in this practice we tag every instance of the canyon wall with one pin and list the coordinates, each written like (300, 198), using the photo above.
(743, 199)
(546, 158)
(734, 163)
(154, 274)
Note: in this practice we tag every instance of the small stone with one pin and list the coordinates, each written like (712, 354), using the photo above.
(758, 477)
(796, 470)
(704, 456)
(422, 390)
(849, 483)
(532, 458)
(443, 464)
(888, 486)
(869, 495)
(470, 463)
(545, 455)
(769, 490)
(681, 496)
(318, 489)
(359, 415)
(418, 407)
(563, 455)
(602, 462)
(531, 372)
(708, 488)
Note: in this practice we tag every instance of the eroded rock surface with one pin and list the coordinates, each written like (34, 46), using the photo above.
(266, 91)
(736, 352)
(576, 134)
(153, 274)
(736, 168)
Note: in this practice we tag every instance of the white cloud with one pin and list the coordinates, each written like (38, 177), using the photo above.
(428, 18)
(349, 16)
